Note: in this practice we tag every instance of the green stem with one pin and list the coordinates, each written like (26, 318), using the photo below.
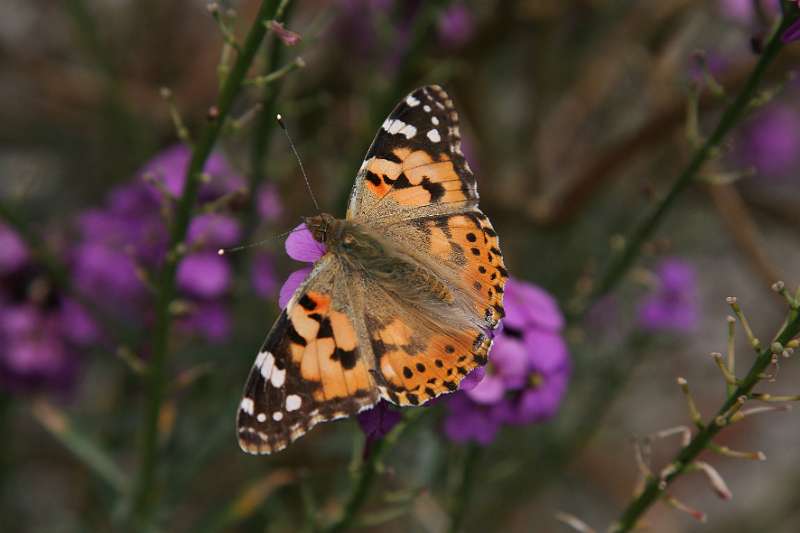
(623, 261)
(367, 473)
(655, 487)
(265, 122)
(145, 494)
(460, 502)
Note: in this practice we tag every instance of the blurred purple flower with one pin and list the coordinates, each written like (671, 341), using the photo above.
(456, 25)
(204, 274)
(770, 141)
(42, 334)
(672, 306)
(128, 237)
(792, 33)
(377, 422)
(743, 11)
(468, 421)
(13, 252)
(268, 203)
(527, 374)
(169, 169)
(262, 275)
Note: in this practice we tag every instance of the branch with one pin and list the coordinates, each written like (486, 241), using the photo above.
(145, 496)
(656, 486)
(621, 263)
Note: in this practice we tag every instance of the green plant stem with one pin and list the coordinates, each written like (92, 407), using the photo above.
(367, 473)
(460, 503)
(655, 486)
(265, 123)
(622, 262)
(145, 494)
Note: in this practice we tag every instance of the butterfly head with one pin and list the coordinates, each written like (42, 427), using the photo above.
(324, 228)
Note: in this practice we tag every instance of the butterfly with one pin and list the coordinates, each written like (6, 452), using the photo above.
(402, 304)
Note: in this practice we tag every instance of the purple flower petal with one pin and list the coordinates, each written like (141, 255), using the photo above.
(301, 245)
(792, 33)
(215, 231)
(13, 252)
(472, 379)
(379, 420)
(527, 304)
(467, 421)
(268, 203)
(75, 323)
(456, 25)
(490, 390)
(204, 274)
(209, 320)
(291, 284)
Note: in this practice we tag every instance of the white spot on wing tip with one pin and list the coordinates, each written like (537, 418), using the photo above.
(261, 417)
(411, 101)
(266, 364)
(434, 136)
(293, 402)
(277, 416)
(247, 405)
(427, 108)
(277, 377)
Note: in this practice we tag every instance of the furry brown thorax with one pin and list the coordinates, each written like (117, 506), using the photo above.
(360, 249)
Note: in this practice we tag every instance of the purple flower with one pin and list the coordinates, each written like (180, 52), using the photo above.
(262, 275)
(301, 246)
(456, 25)
(377, 422)
(13, 252)
(744, 12)
(527, 374)
(169, 169)
(268, 203)
(792, 33)
(468, 421)
(126, 239)
(204, 274)
(671, 306)
(770, 141)
(42, 334)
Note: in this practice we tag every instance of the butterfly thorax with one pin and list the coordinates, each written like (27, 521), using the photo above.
(359, 249)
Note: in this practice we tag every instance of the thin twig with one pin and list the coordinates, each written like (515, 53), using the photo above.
(656, 487)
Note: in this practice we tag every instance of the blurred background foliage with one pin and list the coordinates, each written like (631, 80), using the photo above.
(576, 116)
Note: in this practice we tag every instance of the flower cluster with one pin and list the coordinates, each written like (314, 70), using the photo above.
(125, 239)
(42, 332)
(527, 374)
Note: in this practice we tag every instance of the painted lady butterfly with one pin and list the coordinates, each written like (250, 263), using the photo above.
(401, 305)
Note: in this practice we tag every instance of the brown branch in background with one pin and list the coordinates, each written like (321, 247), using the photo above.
(608, 165)
(739, 222)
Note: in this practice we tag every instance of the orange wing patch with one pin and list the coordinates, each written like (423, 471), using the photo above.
(415, 370)
(329, 355)
(414, 178)
(469, 241)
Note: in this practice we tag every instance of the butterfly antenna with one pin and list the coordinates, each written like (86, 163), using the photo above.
(299, 161)
(225, 251)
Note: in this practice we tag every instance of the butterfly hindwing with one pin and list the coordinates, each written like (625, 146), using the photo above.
(309, 370)
(415, 166)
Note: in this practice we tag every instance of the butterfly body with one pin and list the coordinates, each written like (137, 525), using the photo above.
(401, 304)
